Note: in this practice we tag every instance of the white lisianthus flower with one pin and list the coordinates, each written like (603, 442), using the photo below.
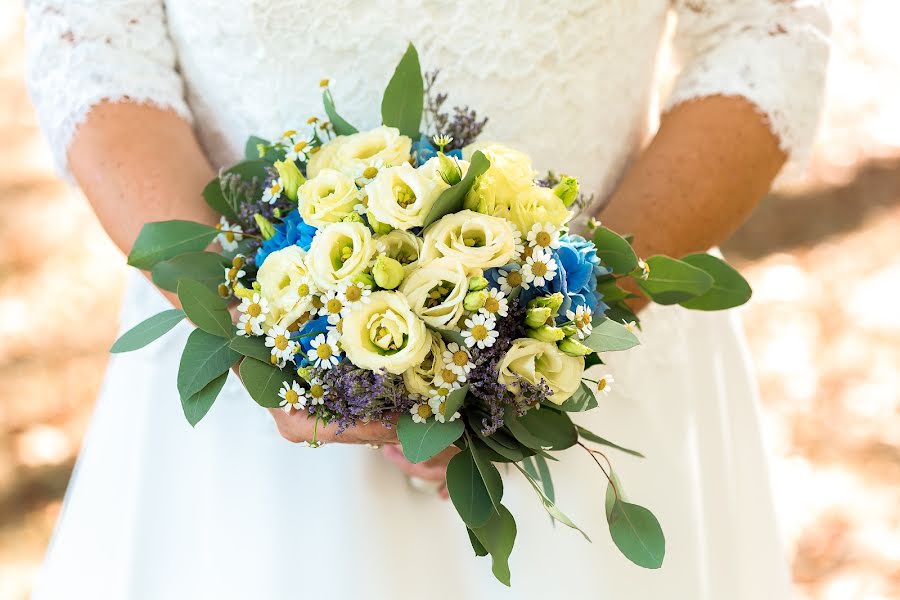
(538, 205)
(536, 361)
(419, 379)
(385, 334)
(351, 154)
(338, 252)
(327, 198)
(403, 246)
(402, 196)
(436, 292)
(477, 241)
(284, 283)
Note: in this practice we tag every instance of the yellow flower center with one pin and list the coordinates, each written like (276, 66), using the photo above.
(289, 133)
(370, 172)
(543, 239)
(514, 279)
(334, 306)
(324, 82)
(316, 390)
(232, 274)
(281, 342)
(312, 120)
(460, 358)
(479, 332)
(229, 236)
(299, 146)
(254, 310)
(601, 385)
(539, 269)
(424, 410)
(491, 305)
(303, 289)
(324, 352)
(527, 252)
(448, 375)
(276, 188)
(248, 328)
(353, 293)
(292, 397)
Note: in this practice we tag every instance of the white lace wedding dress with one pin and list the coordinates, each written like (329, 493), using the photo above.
(157, 510)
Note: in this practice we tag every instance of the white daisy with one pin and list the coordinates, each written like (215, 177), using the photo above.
(248, 326)
(421, 412)
(544, 235)
(511, 279)
(255, 307)
(367, 173)
(333, 304)
(298, 148)
(630, 326)
(230, 236)
(439, 409)
(604, 384)
(495, 304)
(324, 352)
(286, 138)
(539, 268)
(456, 357)
(594, 223)
(480, 331)
(306, 287)
(449, 379)
(581, 317)
(292, 396)
(519, 243)
(354, 294)
(232, 274)
(317, 391)
(644, 267)
(279, 340)
(273, 192)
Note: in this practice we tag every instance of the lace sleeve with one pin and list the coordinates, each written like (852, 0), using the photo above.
(81, 52)
(771, 52)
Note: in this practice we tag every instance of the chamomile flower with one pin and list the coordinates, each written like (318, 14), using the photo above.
(354, 295)
(480, 331)
(456, 357)
(441, 140)
(582, 318)
(248, 326)
(630, 325)
(539, 268)
(604, 384)
(255, 308)
(440, 411)
(279, 340)
(644, 267)
(317, 391)
(232, 274)
(544, 235)
(447, 378)
(306, 287)
(421, 412)
(333, 305)
(273, 192)
(511, 279)
(324, 352)
(495, 304)
(230, 236)
(367, 174)
(594, 223)
(292, 396)
(287, 138)
(298, 148)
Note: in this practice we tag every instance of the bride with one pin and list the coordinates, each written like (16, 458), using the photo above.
(143, 100)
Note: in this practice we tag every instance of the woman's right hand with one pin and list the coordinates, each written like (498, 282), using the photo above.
(299, 427)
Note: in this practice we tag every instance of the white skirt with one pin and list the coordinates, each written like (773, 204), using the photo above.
(158, 510)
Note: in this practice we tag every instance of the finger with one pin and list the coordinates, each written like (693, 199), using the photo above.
(433, 472)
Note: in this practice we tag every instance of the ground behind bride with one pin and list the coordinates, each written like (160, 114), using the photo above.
(822, 256)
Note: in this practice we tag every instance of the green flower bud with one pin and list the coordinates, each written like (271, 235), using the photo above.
(241, 292)
(304, 374)
(569, 330)
(363, 278)
(353, 217)
(388, 273)
(536, 317)
(546, 333)
(553, 302)
(449, 169)
(474, 300)
(266, 229)
(573, 347)
(291, 177)
(566, 190)
(262, 149)
(377, 226)
(476, 284)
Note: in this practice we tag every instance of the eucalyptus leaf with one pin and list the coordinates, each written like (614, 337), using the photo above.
(147, 331)
(247, 170)
(403, 100)
(204, 358)
(479, 549)
(254, 347)
(489, 473)
(591, 360)
(421, 441)
(451, 199)
(549, 505)
(554, 427)
(593, 437)
(620, 313)
(206, 309)
(207, 268)
(614, 251)
(638, 534)
(453, 336)
(521, 433)
(166, 239)
(468, 490)
(672, 281)
(611, 292)
(195, 407)
(263, 381)
(511, 450)
(498, 536)
(455, 400)
(341, 126)
(609, 336)
(583, 399)
(545, 478)
(729, 288)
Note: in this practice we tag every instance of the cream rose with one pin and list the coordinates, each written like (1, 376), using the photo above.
(402, 246)
(538, 205)
(402, 196)
(476, 240)
(282, 281)
(537, 361)
(327, 198)
(338, 252)
(436, 292)
(351, 154)
(419, 379)
(385, 334)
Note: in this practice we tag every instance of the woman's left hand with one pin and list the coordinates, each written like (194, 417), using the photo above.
(433, 469)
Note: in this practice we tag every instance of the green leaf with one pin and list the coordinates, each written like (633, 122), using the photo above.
(247, 169)
(554, 427)
(195, 407)
(251, 152)
(611, 497)
(476, 545)
(614, 251)
(263, 381)
(489, 473)
(206, 309)
(403, 100)
(205, 357)
(421, 441)
(147, 331)
(583, 399)
(729, 288)
(619, 312)
(549, 505)
(254, 347)
(165, 239)
(637, 533)
(501, 443)
(672, 281)
(544, 477)
(592, 359)
(498, 536)
(593, 437)
(452, 336)
(207, 268)
(451, 199)
(341, 126)
(468, 490)
(520, 433)
(455, 400)
(609, 336)
(611, 292)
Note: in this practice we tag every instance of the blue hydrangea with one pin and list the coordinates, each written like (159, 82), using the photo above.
(292, 231)
(423, 150)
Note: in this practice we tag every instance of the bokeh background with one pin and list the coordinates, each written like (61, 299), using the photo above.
(823, 256)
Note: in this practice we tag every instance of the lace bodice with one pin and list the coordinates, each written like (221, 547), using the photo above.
(570, 81)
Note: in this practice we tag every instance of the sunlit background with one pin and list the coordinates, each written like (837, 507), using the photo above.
(823, 257)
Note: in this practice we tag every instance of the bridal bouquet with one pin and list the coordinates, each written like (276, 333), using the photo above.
(423, 280)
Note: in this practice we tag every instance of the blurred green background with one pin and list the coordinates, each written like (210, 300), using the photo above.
(823, 256)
